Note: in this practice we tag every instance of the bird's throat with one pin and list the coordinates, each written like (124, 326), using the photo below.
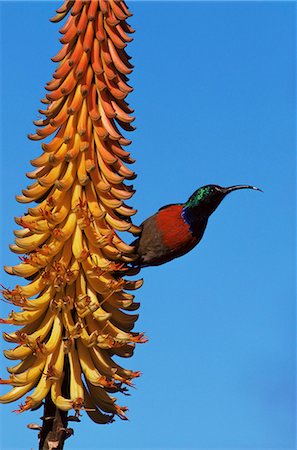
(196, 219)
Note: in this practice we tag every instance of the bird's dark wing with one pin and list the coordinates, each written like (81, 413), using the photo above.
(170, 204)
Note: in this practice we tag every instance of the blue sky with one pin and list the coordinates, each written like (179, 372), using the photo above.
(215, 103)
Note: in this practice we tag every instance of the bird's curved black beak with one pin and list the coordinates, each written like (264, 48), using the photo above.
(229, 189)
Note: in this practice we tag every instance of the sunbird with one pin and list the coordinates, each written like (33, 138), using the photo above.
(177, 228)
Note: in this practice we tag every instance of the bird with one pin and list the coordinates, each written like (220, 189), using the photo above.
(177, 228)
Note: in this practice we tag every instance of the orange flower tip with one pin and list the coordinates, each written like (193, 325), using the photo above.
(87, 48)
(132, 176)
(59, 185)
(65, 91)
(84, 90)
(8, 269)
(56, 18)
(124, 141)
(45, 101)
(84, 145)
(91, 167)
(94, 115)
(52, 159)
(68, 157)
(82, 133)
(84, 180)
(48, 98)
(33, 137)
(38, 123)
(66, 139)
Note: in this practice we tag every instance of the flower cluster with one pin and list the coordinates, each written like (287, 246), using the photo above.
(75, 311)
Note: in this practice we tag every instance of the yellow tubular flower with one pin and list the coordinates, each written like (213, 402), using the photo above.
(72, 309)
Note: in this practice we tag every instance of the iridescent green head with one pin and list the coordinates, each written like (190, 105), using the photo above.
(202, 194)
(206, 199)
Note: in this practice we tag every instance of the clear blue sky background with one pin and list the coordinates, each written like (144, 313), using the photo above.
(215, 103)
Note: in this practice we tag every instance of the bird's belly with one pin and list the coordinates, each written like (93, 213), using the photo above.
(178, 239)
